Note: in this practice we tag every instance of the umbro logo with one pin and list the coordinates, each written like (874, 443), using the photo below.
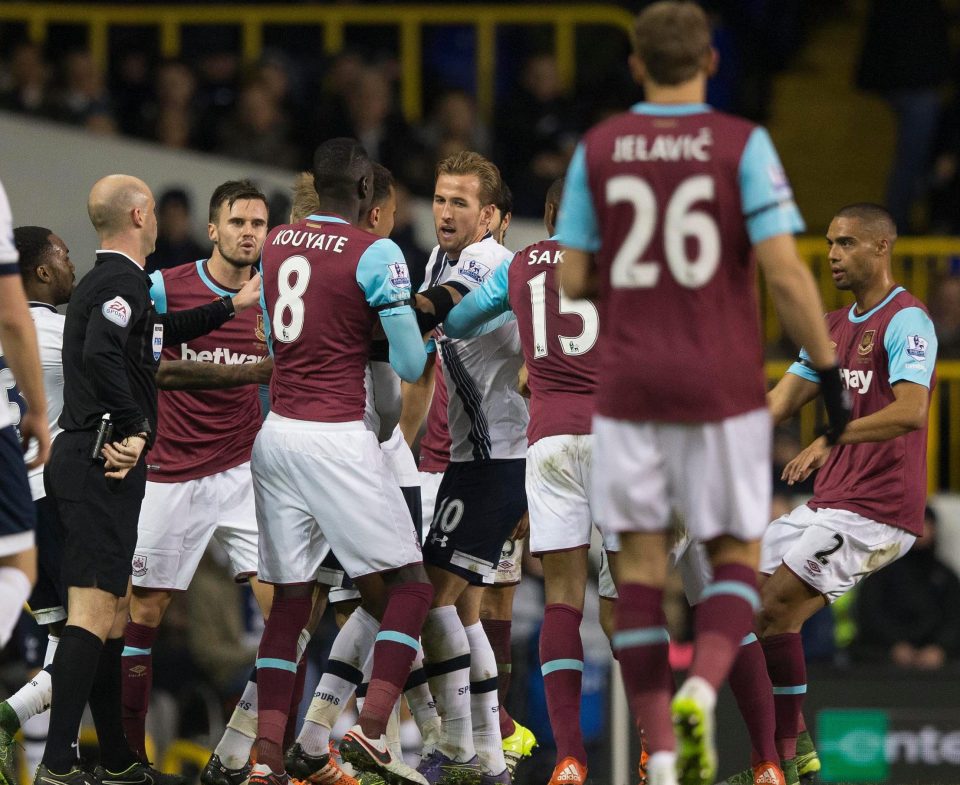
(137, 670)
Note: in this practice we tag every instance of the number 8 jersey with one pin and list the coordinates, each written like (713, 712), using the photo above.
(670, 199)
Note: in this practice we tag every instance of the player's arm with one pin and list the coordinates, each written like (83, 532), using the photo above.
(416, 398)
(799, 385)
(480, 305)
(193, 375)
(18, 336)
(182, 326)
(578, 232)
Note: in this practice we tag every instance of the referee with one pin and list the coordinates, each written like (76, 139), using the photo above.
(111, 349)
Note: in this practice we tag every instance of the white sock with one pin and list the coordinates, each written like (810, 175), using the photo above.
(393, 732)
(662, 768)
(484, 701)
(14, 592)
(447, 651)
(32, 698)
(350, 650)
(52, 642)
(234, 747)
(420, 699)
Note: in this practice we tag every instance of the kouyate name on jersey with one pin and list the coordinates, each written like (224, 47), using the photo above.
(663, 147)
(307, 240)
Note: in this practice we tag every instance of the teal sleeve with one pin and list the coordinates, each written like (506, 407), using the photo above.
(765, 193)
(802, 368)
(267, 328)
(480, 305)
(158, 292)
(577, 222)
(407, 353)
(911, 344)
(383, 276)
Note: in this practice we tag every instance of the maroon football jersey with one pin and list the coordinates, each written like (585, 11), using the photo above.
(435, 444)
(680, 333)
(884, 481)
(319, 319)
(203, 432)
(559, 337)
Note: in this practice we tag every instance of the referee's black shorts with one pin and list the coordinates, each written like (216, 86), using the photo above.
(99, 516)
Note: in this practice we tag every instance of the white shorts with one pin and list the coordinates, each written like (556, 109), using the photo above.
(17, 543)
(177, 520)
(717, 475)
(691, 560)
(558, 492)
(400, 460)
(326, 485)
(429, 485)
(606, 586)
(509, 566)
(831, 550)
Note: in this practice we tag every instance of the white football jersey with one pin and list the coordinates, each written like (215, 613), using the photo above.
(9, 412)
(487, 417)
(49, 326)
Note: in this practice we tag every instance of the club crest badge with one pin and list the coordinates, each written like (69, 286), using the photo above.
(866, 343)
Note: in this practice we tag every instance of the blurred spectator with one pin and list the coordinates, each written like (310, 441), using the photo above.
(82, 93)
(536, 134)
(176, 242)
(25, 89)
(258, 130)
(404, 234)
(171, 117)
(132, 90)
(909, 612)
(339, 77)
(945, 312)
(906, 59)
(218, 91)
(454, 126)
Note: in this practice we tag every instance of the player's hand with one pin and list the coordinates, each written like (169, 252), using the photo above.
(34, 427)
(836, 400)
(121, 457)
(807, 461)
(522, 378)
(248, 295)
(522, 528)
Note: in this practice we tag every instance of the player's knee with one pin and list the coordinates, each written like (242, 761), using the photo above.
(147, 608)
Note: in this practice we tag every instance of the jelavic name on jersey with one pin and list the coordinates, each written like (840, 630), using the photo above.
(310, 240)
(664, 147)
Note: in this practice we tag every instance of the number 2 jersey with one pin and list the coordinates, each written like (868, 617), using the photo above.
(204, 432)
(670, 199)
(892, 342)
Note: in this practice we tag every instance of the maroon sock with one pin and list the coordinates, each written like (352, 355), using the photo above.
(561, 662)
(290, 732)
(788, 674)
(137, 668)
(724, 616)
(276, 675)
(498, 633)
(397, 644)
(642, 644)
(751, 687)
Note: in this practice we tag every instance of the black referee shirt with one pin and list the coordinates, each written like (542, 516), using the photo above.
(112, 340)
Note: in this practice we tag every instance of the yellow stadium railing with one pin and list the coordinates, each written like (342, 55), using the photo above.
(943, 435)
(334, 18)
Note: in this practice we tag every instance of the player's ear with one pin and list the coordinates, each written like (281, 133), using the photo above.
(212, 232)
(43, 274)
(713, 62)
(375, 215)
(637, 69)
(486, 214)
(363, 187)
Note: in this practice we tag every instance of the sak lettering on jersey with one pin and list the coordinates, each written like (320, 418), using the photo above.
(664, 147)
(221, 355)
(117, 311)
(545, 256)
(307, 240)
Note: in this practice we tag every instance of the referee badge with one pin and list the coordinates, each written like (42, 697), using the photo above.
(157, 341)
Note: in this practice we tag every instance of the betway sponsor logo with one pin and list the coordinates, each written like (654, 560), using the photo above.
(857, 380)
(219, 355)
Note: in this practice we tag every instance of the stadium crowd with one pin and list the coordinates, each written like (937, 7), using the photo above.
(551, 410)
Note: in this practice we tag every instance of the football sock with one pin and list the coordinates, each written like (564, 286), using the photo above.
(137, 665)
(105, 706)
(723, 617)
(788, 674)
(31, 699)
(561, 663)
(276, 674)
(234, 747)
(484, 701)
(447, 664)
(74, 669)
(641, 641)
(396, 645)
(419, 698)
(750, 684)
(344, 673)
(498, 633)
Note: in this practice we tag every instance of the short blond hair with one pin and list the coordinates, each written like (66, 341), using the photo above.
(672, 38)
(467, 162)
(305, 200)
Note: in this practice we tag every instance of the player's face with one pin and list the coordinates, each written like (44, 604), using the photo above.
(240, 231)
(852, 252)
(60, 270)
(458, 216)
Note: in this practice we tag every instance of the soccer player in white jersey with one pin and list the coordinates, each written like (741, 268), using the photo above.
(48, 278)
(487, 421)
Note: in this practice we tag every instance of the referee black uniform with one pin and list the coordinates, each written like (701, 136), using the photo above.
(112, 341)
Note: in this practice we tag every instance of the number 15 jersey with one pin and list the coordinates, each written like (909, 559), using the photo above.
(670, 199)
